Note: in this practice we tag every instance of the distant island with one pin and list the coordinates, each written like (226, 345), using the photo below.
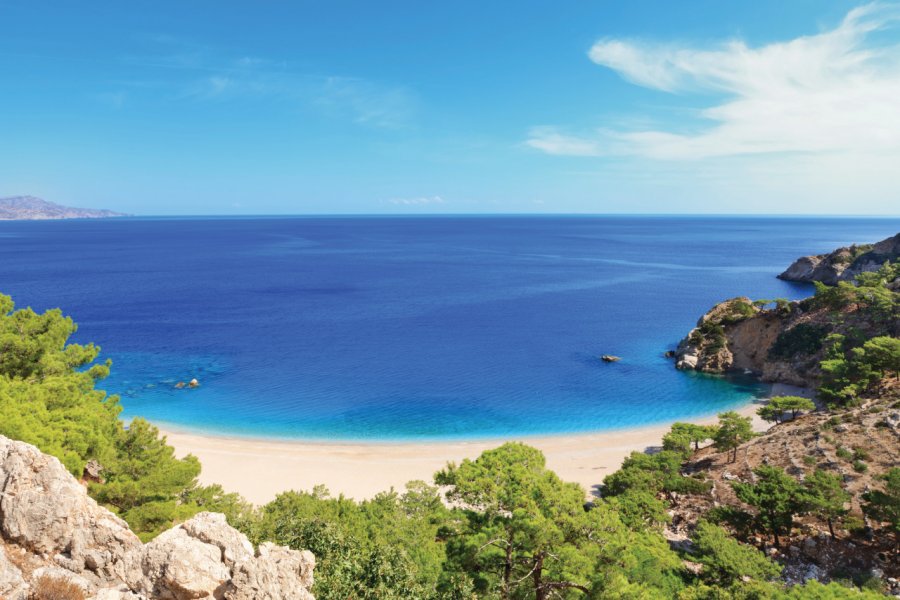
(29, 208)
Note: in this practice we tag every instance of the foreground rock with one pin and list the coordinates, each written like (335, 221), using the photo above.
(843, 264)
(51, 529)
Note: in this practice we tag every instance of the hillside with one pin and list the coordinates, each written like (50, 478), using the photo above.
(814, 491)
(859, 445)
(29, 208)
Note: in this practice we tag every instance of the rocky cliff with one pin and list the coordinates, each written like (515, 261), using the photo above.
(738, 335)
(784, 342)
(32, 209)
(52, 535)
(843, 264)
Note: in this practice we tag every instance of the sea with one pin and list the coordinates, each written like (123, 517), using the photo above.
(408, 328)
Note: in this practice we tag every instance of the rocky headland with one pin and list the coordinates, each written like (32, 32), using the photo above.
(785, 341)
(843, 264)
(55, 538)
(29, 208)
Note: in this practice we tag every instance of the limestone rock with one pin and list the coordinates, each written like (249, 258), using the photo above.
(93, 471)
(276, 574)
(117, 594)
(213, 528)
(12, 584)
(206, 558)
(46, 511)
(177, 566)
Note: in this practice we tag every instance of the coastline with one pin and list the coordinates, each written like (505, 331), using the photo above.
(259, 469)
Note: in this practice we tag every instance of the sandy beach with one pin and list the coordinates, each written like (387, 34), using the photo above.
(259, 469)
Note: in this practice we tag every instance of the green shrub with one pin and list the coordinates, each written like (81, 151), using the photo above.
(801, 339)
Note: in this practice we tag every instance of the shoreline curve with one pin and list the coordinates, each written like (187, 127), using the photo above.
(260, 468)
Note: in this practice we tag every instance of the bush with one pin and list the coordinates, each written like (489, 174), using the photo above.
(802, 339)
(860, 454)
(738, 311)
(726, 561)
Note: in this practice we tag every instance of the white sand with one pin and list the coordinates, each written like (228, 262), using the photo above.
(259, 469)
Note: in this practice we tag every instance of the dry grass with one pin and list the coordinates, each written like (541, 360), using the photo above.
(55, 588)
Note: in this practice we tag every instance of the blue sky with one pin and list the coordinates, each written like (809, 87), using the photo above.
(217, 107)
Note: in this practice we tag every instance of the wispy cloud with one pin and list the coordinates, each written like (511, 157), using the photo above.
(835, 92)
(417, 201)
(208, 76)
(366, 102)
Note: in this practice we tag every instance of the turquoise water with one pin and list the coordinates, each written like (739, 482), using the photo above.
(408, 328)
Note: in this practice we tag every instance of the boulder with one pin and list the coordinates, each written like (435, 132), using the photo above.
(213, 528)
(276, 574)
(93, 471)
(206, 558)
(177, 566)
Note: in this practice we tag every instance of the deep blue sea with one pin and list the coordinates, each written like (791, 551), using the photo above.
(408, 328)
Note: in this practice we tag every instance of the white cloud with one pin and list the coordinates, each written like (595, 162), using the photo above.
(836, 93)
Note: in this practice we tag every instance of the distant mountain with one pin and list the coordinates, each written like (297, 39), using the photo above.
(31, 208)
